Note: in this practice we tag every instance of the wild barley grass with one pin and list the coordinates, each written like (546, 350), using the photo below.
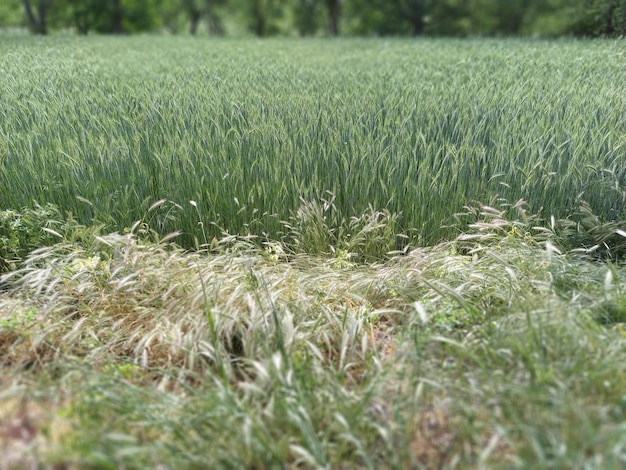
(105, 127)
(501, 355)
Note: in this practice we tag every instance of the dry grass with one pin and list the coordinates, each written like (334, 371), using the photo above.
(144, 354)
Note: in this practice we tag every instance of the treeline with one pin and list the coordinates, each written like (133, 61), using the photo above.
(322, 17)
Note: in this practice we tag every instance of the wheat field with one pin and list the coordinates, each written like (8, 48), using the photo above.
(253, 130)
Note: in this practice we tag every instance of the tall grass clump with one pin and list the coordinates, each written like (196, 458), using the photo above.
(255, 132)
(497, 350)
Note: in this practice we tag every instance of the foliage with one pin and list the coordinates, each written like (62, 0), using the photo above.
(11, 13)
(111, 16)
(600, 18)
(381, 17)
(307, 17)
(330, 17)
(27, 229)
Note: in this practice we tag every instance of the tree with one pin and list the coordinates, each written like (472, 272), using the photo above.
(194, 11)
(599, 18)
(37, 18)
(213, 19)
(11, 13)
(117, 16)
(391, 17)
(197, 9)
(109, 16)
(306, 16)
(611, 23)
(334, 14)
(259, 18)
(510, 16)
(82, 14)
(415, 13)
(263, 17)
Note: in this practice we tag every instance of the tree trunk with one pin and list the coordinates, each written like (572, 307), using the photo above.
(214, 21)
(32, 21)
(414, 11)
(334, 14)
(38, 23)
(610, 26)
(43, 13)
(418, 25)
(195, 16)
(116, 18)
(259, 18)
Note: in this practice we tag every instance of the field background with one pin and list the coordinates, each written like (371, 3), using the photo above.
(249, 130)
(312, 254)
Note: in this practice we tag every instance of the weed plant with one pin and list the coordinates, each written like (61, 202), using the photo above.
(495, 350)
